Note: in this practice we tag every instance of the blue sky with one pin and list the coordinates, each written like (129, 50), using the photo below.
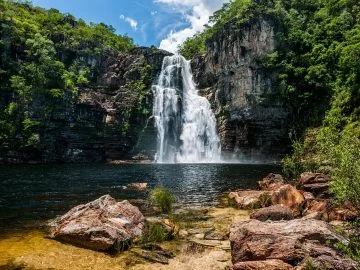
(163, 23)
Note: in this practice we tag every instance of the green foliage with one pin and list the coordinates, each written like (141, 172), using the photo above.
(45, 58)
(155, 233)
(163, 199)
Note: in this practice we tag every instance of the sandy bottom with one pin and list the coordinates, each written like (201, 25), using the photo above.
(33, 251)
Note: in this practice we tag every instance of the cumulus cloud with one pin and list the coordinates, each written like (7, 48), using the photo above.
(195, 12)
(133, 23)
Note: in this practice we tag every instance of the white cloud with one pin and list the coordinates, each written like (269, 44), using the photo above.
(133, 23)
(195, 12)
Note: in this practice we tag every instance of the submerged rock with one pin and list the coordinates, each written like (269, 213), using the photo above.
(274, 212)
(102, 225)
(250, 199)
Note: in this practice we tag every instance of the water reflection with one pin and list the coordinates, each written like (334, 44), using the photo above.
(31, 194)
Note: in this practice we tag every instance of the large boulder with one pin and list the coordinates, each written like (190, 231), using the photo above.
(316, 183)
(102, 225)
(253, 240)
(289, 196)
(250, 199)
(274, 212)
(271, 182)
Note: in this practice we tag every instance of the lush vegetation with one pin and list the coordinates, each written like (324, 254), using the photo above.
(317, 59)
(45, 58)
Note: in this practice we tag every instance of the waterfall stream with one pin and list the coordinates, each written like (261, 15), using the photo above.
(185, 123)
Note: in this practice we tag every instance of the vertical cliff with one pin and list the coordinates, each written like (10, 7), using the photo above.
(111, 118)
(252, 121)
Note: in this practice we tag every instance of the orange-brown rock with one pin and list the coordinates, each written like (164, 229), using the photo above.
(289, 196)
(262, 265)
(291, 241)
(325, 210)
(253, 240)
(274, 212)
(250, 199)
(103, 225)
(271, 182)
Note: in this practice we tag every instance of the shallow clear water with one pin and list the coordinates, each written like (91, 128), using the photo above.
(31, 194)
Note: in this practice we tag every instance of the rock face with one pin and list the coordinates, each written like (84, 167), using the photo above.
(251, 118)
(102, 225)
(291, 242)
(111, 120)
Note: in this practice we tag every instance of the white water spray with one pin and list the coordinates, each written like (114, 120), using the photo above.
(185, 122)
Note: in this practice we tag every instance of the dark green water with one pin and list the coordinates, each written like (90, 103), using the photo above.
(32, 194)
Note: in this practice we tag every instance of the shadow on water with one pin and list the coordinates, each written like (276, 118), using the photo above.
(32, 194)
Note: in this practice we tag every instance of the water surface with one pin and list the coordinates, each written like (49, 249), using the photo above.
(32, 194)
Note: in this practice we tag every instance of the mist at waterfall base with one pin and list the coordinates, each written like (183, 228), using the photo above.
(185, 123)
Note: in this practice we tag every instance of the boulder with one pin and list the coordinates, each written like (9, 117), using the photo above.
(250, 199)
(289, 196)
(325, 210)
(253, 240)
(102, 225)
(262, 265)
(316, 183)
(274, 212)
(271, 182)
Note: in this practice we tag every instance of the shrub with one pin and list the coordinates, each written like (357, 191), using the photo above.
(163, 199)
(155, 233)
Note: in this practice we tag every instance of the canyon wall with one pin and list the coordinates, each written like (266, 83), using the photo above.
(252, 120)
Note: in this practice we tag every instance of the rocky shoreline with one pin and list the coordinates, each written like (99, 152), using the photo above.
(279, 226)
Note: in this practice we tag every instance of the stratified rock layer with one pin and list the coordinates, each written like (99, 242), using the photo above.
(251, 117)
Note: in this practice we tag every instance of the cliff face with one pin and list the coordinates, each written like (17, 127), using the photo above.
(252, 120)
(111, 119)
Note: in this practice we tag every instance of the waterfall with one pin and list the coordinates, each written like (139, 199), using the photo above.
(184, 120)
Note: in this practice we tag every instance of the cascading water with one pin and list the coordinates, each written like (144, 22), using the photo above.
(185, 122)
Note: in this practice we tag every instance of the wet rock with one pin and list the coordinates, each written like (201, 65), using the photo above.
(316, 183)
(289, 196)
(271, 182)
(136, 186)
(254, 240)
(262, 265)
(274, 212)
(250, 199)
(102, 225)
(152, 256)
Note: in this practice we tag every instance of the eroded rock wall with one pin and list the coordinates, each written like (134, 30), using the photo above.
(111, 119)
(252, 121)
